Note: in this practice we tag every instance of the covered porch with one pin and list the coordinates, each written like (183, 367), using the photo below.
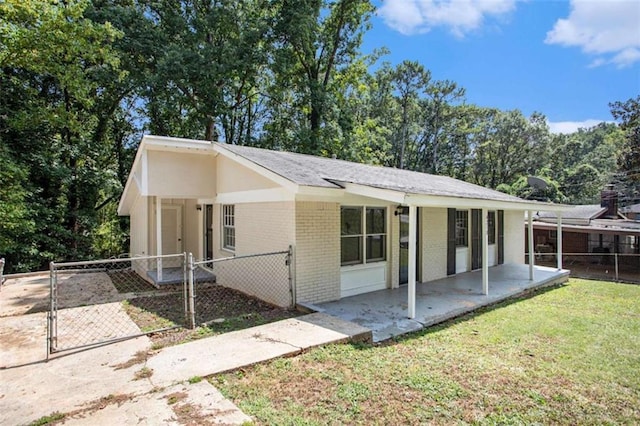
(384, 312)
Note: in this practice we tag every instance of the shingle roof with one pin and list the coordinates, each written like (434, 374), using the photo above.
(308, 170)
(584, 211)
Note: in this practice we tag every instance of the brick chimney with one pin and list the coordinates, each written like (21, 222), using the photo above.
(609, 199)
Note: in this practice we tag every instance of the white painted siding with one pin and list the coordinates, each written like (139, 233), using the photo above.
(139, 239)
(360, 279)
(434, 243)
(513, 237)
(233, 177)
(179, 175)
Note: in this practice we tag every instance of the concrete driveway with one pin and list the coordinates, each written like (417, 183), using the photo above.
(128, 383)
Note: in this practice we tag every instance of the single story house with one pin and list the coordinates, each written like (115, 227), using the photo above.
(597, 228)
(354, 228)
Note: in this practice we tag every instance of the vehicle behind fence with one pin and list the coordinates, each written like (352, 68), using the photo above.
(622, 267)
(107, 300)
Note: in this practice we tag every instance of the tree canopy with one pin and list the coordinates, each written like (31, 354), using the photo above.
(83, 79)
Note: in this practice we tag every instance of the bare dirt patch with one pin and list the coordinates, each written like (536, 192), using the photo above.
(219, 310)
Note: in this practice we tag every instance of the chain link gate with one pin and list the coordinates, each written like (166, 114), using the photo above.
(104, 301)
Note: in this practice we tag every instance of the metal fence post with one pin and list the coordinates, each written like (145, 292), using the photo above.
(185, 286)
(292, 289)
(52, 326)
(192, 295)
(616, 261)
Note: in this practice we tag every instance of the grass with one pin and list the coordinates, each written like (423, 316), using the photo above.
(569, 355)
(51, 419)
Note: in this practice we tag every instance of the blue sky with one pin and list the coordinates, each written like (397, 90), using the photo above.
(565, 59)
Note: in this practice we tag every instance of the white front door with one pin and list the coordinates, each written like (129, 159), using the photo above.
(171, 229)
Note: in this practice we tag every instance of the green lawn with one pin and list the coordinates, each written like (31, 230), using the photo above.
(568, 355)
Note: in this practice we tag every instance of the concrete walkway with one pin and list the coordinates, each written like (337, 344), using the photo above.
(125, 383)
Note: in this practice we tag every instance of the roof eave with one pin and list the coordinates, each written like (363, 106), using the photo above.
(426, 200)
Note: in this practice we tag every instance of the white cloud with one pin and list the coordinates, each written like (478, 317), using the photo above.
(460, 16)
(609, 29)
(566, 127)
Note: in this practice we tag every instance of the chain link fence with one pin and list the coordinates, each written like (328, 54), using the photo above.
(622, 267)
(107, 300)
(266, 277)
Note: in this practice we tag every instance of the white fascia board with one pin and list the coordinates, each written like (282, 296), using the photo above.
(317, 193)
(123, 205)
(389, 195)
(274, 177)
(255, 196)
(476, 203)
(164, 143)
(130, 193)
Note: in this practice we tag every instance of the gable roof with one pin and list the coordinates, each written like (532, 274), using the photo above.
(295, 171)
(309, 170)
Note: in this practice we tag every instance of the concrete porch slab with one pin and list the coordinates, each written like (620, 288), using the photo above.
(176, 276)
(385, 312)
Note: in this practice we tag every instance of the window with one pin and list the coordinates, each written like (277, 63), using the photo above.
(462, 226)
(491, 227)
(376, 236)
(362, 231)
(228, 227)
(351, 235)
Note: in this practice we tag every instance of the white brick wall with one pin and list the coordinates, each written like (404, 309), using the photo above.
(317, 251)
(260, 228)
(434, 243)
(264, 227)
(513, 237)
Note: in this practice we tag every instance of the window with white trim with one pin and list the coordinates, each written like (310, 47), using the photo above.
(228, 227)
(462, 228)
(363, 235)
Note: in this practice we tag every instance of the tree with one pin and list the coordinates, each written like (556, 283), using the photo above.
(53, 59)
(315, 40)
(628, 113)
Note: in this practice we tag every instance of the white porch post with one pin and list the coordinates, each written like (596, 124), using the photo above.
(559, 240)
(159, 237)
(485, 252)
(530, 244)
(411, 290)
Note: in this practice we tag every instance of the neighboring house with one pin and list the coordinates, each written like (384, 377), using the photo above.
(598, 228)
(354, 228)
(632, 212)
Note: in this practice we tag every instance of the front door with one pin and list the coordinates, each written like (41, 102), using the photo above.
(404, 245)
(208, 231)
(171, 229)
